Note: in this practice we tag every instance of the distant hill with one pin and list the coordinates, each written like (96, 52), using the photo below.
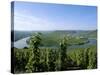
(17, 35)
(51, 38)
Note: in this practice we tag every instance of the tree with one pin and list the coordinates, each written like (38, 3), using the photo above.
(92, 55)
(52, 60)
(86, 58)
(63, 47)
(34, 60)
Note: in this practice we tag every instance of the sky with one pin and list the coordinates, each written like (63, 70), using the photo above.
(29, 16)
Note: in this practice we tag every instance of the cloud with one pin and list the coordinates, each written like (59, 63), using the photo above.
(26, 22)
(32, 23)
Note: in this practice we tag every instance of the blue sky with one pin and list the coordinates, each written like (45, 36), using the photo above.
(38, 16)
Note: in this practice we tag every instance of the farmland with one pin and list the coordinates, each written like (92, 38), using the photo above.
(54, 51)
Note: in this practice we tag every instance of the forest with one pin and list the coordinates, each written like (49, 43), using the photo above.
(45, 54)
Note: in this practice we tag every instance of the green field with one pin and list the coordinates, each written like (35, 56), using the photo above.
(55, 51)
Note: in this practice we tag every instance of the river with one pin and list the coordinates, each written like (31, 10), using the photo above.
(22, 43)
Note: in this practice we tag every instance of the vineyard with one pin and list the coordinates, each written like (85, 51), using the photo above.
(37, 59)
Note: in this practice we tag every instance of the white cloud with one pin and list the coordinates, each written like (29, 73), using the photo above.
(26, 22)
